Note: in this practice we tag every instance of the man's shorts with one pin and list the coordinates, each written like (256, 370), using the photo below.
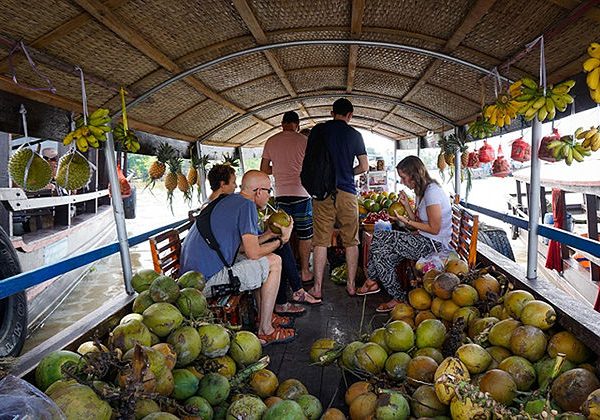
(342, 208)
(300, 208)
(252, 274)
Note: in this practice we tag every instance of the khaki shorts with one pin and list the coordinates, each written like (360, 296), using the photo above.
(326, 212)
(252, 274)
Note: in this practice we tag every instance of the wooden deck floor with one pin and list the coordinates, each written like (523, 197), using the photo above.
(338, 317)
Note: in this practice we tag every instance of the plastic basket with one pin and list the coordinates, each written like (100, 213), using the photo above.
(497, 239)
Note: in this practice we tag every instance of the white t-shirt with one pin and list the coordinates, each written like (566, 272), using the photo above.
(434, 194)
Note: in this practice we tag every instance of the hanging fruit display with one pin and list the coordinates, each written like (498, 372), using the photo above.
(89, 132)
(74, 171)
(29, 170)
(520, 150)
(158, 167)
(171, 179)
(533, 102)
(481, 128)
(591, 138)
(126, 137)
(501, 112)
(592, 67)
(567, 148)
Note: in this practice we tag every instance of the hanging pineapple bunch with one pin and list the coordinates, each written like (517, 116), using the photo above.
(183, 185)
(192, 175)
(171, 180)
(158, 167)
(230, 160)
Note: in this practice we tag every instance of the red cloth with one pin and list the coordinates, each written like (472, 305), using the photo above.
(554, 258)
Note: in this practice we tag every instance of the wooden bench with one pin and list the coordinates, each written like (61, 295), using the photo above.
(465, 227)
(165, 248)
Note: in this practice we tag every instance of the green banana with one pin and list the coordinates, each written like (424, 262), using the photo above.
(542, 113)
(554, 144)
(569, 155)
(99, 113)
(527, 82)
(577, 155)
(578, 132)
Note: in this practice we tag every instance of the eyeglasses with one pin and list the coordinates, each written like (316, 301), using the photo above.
(269, 190)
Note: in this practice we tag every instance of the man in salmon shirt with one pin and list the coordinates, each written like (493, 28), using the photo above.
(282, 157)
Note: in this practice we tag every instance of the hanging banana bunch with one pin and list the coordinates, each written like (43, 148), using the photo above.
(501, 112)
(569, 149)
(592, 67)
(533, 102)
(89, 134)
(481, 128)
(122, 133)
(591, 138)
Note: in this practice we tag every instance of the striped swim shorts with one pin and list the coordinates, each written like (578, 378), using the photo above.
(300, 208)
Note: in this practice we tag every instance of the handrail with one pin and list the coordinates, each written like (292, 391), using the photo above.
(17, 200)
(574, 241)
(22, 281)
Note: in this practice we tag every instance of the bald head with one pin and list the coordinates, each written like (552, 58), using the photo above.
(255, 179)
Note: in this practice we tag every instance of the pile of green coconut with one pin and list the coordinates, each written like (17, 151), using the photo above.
(169, 358)
(466, 346)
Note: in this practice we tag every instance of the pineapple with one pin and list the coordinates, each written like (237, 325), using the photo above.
(158, 167)
(192, 175)
(464, 159)
(441, 162)
(171, 178)
(230, 160)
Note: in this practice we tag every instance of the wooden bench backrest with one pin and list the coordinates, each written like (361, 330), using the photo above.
(465, 226)
(166, 250)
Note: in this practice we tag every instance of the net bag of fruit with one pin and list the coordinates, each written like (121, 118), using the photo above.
(500, 167)
(520, 150)
(473, 160)
(543, 152)
(486, 153)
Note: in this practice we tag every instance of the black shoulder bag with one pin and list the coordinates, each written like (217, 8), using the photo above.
(203, 226)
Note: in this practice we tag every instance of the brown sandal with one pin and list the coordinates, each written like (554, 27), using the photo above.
(281, 321)
(278, 336)
(305, 298)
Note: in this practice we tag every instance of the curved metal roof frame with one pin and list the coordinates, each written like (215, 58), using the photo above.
(324, 117)
(269, 105)
(261, 48)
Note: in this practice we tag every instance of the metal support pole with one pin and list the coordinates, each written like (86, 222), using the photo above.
(240, 156)
(457, 168)
(534, 204)
(396, 144)
(117, 205)
(202, 173)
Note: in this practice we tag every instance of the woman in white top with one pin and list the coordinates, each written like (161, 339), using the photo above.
(432, 224)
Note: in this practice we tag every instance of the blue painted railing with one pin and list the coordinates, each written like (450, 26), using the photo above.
(580, 243)
(31, 278)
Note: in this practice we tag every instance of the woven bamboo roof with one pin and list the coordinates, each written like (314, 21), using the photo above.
(400, 94)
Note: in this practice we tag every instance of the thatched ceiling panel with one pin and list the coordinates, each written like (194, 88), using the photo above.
(460, 80)
(369, 103)
(167, 104)
(228, 74)
(433, 17)
(289, 14)
(299, 34)
(418, 117)
(179, 27)
(404, 124)
(369, 112)
(414, 40)
(395, 61)
(251, 133)
(67, 85)
(216, 50)
(444, 103)
(322, 101)
(276, 112)
(318, 79)
(96, 49)
(559, 51)
(258, 91)
(32, 22)
(313, 56)
(201, 119)
(510, 24)
(231, 130)
(379, 83)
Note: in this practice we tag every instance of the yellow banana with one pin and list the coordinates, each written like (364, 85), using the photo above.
(595, 142)
(595, 94)
(82, 144)
(593, 78)
(550, 105)
(569, 155)
(542, 113)
(530, 113)
(591, 132)
(594, 50)
(590, 64)
(576, 155)
(539, 102)
(578, 132)
(560, 90)
(557, 152)
(487, 113)
(69, 138)
(507, 119)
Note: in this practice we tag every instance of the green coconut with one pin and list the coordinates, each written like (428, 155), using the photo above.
(370, 357)
(245, 348)
(311, 406)
(396, 365)
(281, 218)
(164, 289)
(248, 408)
(192, 303)
(192, 279)
(399, 336)
(378, 337)
(319, 347)
(215, 388)
(78, 401)
(186, 343)
(521, 370)
(126, 336)
(392, 405)
(142, 302)
(162, 318)
(215, 340)
(285, 410)
(200, 407)
(186, 384)
(348, 359)
(49, 369)
(291, 389)
(430, 333)
(143, 279)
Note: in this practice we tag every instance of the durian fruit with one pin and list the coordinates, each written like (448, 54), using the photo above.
(39, 173)
(74, 171)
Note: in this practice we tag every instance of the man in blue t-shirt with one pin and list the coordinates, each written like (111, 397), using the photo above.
(234, 223)
(344, 144)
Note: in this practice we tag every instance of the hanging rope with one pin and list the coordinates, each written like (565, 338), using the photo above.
(529, 47)
(20, 46)
(83, 95)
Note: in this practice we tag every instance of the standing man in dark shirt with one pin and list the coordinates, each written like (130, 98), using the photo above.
(344, 144)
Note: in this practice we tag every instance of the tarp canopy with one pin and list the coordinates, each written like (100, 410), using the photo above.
(397, 92)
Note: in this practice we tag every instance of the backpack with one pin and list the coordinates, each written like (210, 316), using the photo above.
(205, 230)
(318, 169)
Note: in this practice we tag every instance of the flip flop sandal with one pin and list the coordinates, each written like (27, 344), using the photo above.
(290, 309)
(281, 321)
(384, 307)
(303, 300)
(368, 290)
(314, 295)
(278, 336)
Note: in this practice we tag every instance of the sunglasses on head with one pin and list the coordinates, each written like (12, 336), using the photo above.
(269, 190)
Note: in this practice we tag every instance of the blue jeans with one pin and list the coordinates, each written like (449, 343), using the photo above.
(289, 274)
